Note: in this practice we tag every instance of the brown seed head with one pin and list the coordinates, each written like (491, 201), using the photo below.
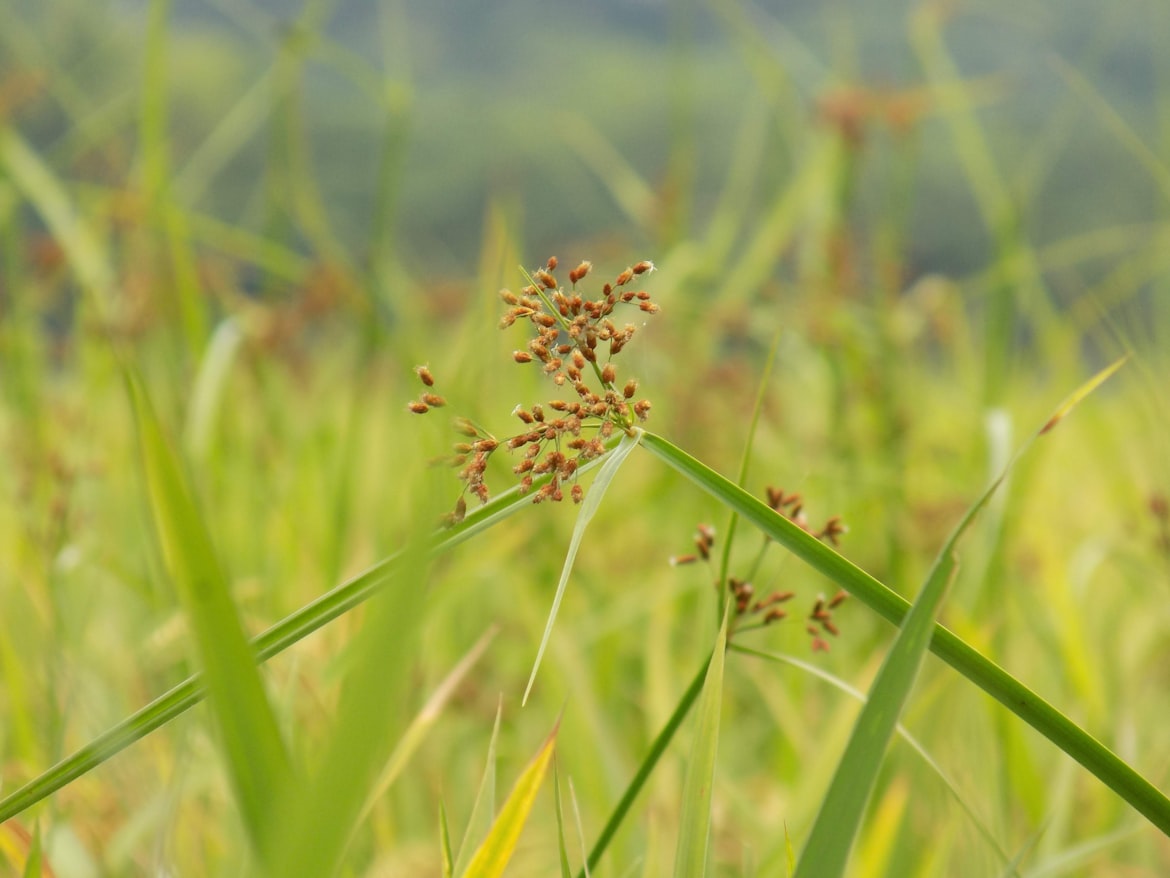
(622, 279)
(419, 408)
(552, 263)
(643, 267)
(425, 375)
(608, 373)
(579, 272)
(434, 400)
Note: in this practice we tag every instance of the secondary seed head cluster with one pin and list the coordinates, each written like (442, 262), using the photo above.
(767, 608)
(574, 341)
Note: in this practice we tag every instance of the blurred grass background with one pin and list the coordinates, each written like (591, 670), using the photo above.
(951, 215)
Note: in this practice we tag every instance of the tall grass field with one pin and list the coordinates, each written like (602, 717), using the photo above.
(807, 513)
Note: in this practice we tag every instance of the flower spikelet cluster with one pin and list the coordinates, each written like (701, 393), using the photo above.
(759, 609)
(574, 340)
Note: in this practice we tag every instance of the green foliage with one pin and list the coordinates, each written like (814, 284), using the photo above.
(206, 349)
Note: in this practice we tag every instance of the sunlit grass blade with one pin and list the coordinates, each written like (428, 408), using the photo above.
(1002, 686)
(257, 762)
(493, 855)
(589, 507)
(293, 628)
(483, 810)
(210, 383)
(694, 831)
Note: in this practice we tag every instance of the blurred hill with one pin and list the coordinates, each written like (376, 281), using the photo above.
(554, 110)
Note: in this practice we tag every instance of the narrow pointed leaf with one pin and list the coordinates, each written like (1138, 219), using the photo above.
(589, 507)
(445, 843)
(562, 848)
(257, 761)
(484, 808)
(497, 849)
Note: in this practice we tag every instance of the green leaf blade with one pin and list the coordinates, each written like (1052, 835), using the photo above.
(695, 823)
(257, 761)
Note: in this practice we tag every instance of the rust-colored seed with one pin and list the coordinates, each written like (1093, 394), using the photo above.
(630, 389)
(526, 484)
(558, 405)
(649, 307)
(679, 560)
(838, 599)
(830, 627)
(486, 446)
(580, 271)
(517, 441)
(544, 319)
(546, 280)
(507, 320)
(564, 349)
(522, 467)
(434, 400)
(607, 429)
(552, 263)
(608, 373)
(538, 413)
(644, 266)
(523, 415)
(577, 493)
(425, 375)
(641, 409)
(643, 296)
(774, 616)
(522, 356)
(537, 348)
(419, 408)
(622, 279)
(509, 297)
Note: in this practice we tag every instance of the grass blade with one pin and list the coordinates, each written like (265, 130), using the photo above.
(588, 508)
(562, 849)
(257, 762)
(493, 855)
(694, 833)
(484, 807)
(445, 843)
